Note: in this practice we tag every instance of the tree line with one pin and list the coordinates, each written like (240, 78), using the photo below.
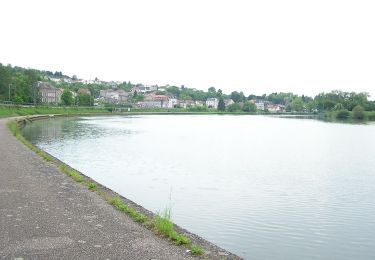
(19, 85)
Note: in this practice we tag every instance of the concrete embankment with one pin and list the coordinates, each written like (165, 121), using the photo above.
(44, 214)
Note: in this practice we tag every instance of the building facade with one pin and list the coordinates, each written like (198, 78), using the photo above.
(48, 94)
(212, 103)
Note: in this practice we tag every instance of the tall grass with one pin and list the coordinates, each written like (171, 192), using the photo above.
(136, 216)
(164, 226)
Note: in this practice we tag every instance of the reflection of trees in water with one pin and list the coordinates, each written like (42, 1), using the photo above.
(53, 130)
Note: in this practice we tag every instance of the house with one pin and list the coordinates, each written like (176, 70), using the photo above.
(275, 108)
(48, 93)
(150, 104)
(114, 96)
(212, 103)
(182, 103)
(143, 89)
(172, 102)
(259, 104)
(228, 102)
(198, 103)
(153, 100)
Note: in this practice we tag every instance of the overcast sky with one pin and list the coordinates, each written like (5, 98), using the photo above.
(259, 47)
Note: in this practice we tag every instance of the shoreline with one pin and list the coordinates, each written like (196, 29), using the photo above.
(211, 250)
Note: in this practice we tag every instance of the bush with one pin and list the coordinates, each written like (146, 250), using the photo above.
(343, 114)
(358, 112)
(233, 107)
(249, 107)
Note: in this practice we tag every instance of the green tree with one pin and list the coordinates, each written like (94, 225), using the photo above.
(67, 98)
(358, 112)
(233, 107)
(174, 91)
(184, 96)
(237, 96)
(249, 107)
(212, 90)
(297, 105)
(84, 100)
(343, 114)
(221, 105)
(311, 105)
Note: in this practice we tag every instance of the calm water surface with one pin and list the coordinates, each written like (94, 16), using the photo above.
(261, 187)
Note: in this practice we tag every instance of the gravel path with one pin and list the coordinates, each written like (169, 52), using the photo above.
(46, 215)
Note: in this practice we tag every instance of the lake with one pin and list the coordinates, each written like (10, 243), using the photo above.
(261, 187)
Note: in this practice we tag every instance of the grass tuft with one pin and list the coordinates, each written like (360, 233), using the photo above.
(196, 250)
(91, 186)
(164, 226)
(71, 173)
(135, 215)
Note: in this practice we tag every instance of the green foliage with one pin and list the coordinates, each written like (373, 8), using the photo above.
(311, 106)
(174, 91)
(71, 173)
(338, 107)
(196, 250)
(137, 97)
(249, 107)
(84, 100)
(136, 216)
(127, 86)
(221, 105)
(348, 100)
(234, 107)
(67, 98)
(185, 96)
(7, 111)
(358, 112)
(164, 226)
(370, 116)
(278, 98)
(18, 84)
(237, 96)
(343, 114)
(296, 105)
(91, 186)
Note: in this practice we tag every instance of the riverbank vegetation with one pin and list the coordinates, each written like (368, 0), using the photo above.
(9, 111)
(18, 86)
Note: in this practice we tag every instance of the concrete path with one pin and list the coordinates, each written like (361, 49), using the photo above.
(46, 215)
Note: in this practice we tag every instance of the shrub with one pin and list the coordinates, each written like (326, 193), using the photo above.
(358, 112)
(343, 114)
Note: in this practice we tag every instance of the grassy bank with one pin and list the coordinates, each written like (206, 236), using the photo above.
(345, 115)
(160, 223)
(9, 111)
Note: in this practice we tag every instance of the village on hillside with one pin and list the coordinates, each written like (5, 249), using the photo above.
(52, 90)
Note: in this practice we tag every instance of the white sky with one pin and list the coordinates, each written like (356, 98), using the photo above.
(256, 46)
